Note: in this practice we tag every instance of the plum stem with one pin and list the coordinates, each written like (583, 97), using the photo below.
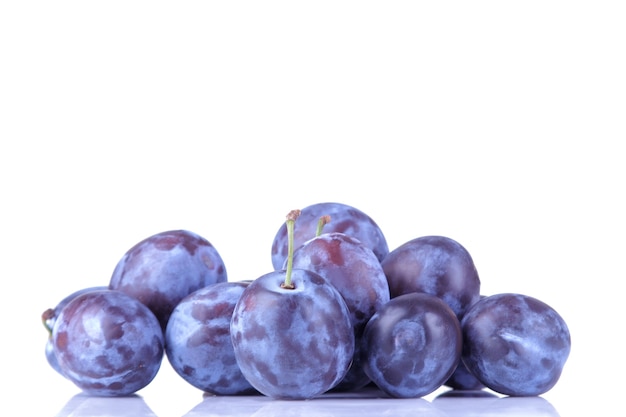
(291, 220)
(47, 315)
(323, 220)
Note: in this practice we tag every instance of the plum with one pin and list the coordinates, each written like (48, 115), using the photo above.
(292, 343)
(515, 344)
(436, 265)
(355, 271)
(198, 344)
(108, 343)
(412, 345)
(291, 331)
(166, 267)
(49, 317)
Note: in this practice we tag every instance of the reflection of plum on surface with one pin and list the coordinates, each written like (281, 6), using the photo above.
(83, 405)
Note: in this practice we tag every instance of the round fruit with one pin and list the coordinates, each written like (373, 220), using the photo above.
(515, 344)
(49, 317)
(434, 265)
(166, 267)
(292, 343)
(291, 331)
(197, 340)
(108, 343)
(412, 345)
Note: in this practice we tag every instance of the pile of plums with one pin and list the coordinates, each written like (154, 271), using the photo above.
(339, 312)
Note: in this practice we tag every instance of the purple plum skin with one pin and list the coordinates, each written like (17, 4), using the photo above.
(435, 265)
(515, 344)
(51, 356)
(356, 272)
(412, 345)
(463, 380)
(292, 344)
(49, 317)
(166, 267)
(343, 218)
(198, 344)
(108, 343)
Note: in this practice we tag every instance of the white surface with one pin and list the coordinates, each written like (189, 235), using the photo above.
(363, 404)
(498, 125)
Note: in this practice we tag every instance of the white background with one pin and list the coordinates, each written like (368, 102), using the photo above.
(498, 124)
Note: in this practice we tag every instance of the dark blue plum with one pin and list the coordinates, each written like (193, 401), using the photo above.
(108, 343)
(198, 344)
(412, 345)
(355, 271)
(515, 344)
(436, 265)
(343, 218)
(166, 267)
(292, 343)
(49, 317)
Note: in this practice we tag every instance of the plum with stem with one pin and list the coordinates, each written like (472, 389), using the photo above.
(345, 219)
(49, 317)
(291, 332)
(358, 275)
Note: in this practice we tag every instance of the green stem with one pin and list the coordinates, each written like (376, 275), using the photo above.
(291, 220)
(324, 220)
(48, 314)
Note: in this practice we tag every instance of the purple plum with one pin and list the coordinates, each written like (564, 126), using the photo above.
(436, 265)
(294, 341)
(515, 344)
(108, 343)
(198, 344)
(166, 267)
(412, 345)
